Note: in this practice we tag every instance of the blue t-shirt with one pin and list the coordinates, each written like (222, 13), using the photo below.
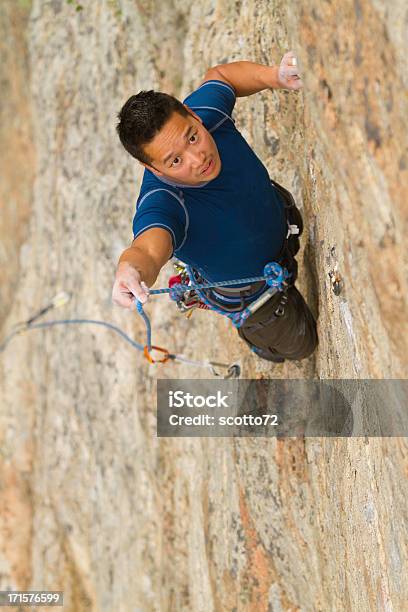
(231, 226)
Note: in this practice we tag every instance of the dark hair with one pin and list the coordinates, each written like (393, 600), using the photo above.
(142, 117)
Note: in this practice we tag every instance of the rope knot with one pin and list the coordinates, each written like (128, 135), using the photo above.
(177, 291)
(275, 275)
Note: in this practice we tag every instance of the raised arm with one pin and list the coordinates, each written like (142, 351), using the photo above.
(248, 78)
(139, 266)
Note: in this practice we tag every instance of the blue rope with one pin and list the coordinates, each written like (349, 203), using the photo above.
(146, 319)
(71, 321)
(274, 274)
(136, 345)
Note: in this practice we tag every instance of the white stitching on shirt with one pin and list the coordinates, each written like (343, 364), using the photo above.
(216, 109)
(218, 124)
(157, 225)
(153, 190)
(221, 84)
(180, 200)
(180, 185)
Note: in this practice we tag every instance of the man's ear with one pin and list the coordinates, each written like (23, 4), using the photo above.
(193, 113)
(151, 169)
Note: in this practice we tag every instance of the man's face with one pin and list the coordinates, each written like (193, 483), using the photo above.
(183, 149)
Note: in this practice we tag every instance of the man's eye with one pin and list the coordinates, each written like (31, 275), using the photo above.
(192, 136)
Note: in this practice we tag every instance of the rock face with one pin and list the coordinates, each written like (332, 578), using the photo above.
(92, 503)
(17, 151)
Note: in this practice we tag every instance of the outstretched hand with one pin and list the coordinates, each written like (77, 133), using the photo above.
(288, 74)
(128, 285)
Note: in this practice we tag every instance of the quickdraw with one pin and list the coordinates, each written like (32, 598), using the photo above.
(231, 370)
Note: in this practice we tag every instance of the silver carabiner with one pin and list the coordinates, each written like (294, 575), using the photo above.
(280, 311)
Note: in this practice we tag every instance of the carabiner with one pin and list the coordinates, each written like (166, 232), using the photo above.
(149, 358)
(280, 311)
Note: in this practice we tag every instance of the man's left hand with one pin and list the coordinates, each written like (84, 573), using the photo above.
(288, 73)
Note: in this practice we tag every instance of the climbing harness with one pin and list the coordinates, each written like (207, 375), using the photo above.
(276, 278)
(189, 294)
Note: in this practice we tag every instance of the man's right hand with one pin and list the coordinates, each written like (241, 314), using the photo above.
(147, 253)
(128, 285)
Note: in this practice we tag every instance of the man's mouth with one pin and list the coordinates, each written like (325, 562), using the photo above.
(208, 167)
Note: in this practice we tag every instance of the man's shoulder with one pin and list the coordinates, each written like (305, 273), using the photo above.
(211, 100)
(153, 190)
(210, 88)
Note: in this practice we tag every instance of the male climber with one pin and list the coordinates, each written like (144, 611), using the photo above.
(207, 199)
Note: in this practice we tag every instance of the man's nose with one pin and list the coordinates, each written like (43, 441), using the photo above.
(197, 158)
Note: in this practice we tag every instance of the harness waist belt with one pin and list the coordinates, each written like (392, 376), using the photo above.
(246, 291)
